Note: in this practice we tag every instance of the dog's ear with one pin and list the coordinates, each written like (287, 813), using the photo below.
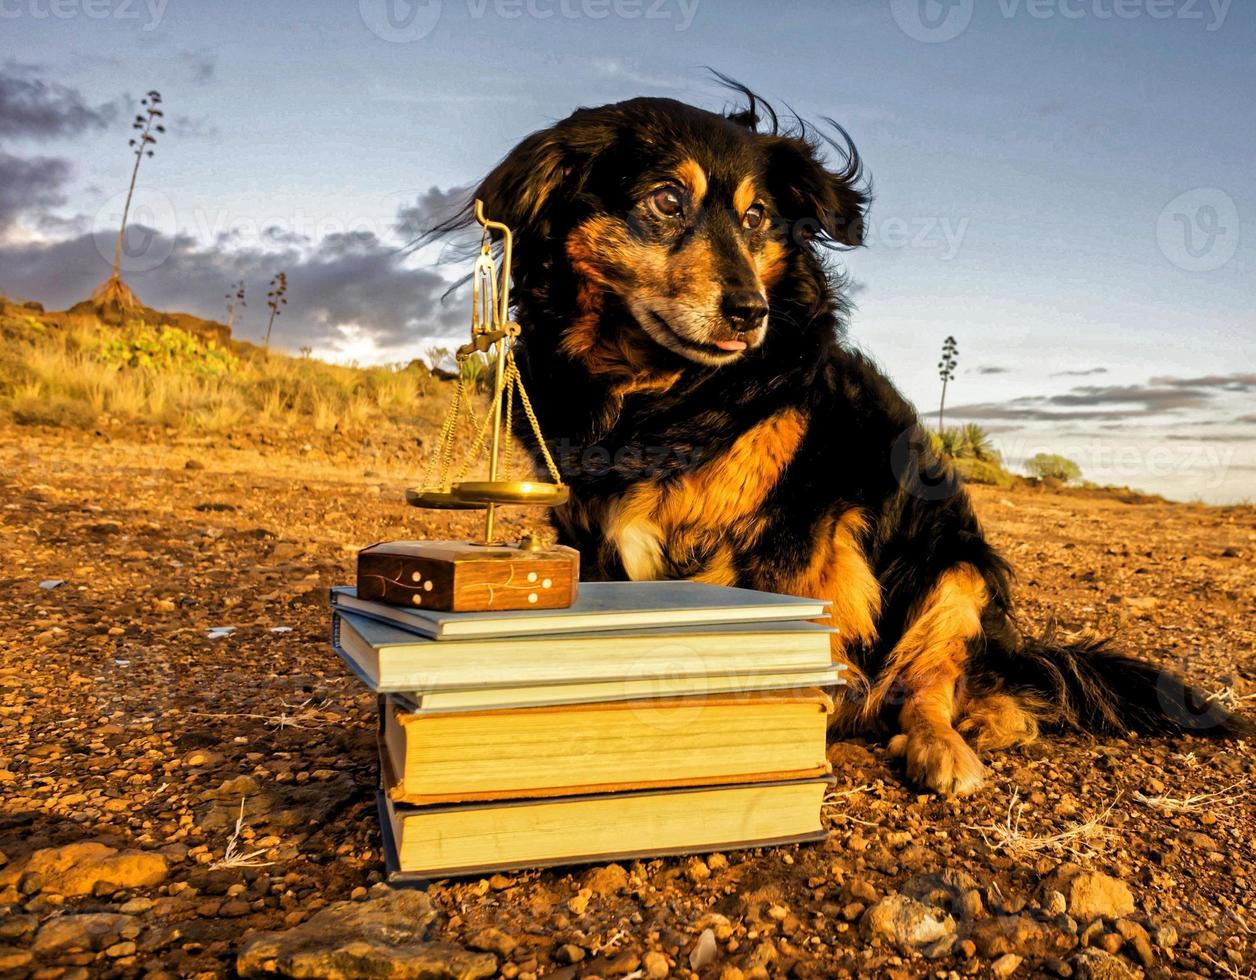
(817, 203)
(519, 188)
(546, 169)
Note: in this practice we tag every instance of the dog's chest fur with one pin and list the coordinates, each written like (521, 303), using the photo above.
(692, 523)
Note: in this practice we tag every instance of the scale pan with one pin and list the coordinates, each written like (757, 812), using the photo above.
(440, 500)
(511, 492)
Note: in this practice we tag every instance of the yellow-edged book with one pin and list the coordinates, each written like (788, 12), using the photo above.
(478, 838)
(609, 747)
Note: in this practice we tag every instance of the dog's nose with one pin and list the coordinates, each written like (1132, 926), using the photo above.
(745, 308)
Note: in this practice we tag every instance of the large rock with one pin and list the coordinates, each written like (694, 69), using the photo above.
(1021, 935)
(1090, 895)
(1095, 964)
(910, 925)
(76, 869)
(606, 881)
(382, 937)
(951, 891)
(90, 931)
(14, 957)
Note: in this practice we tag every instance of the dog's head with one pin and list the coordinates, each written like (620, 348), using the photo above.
(682, 221)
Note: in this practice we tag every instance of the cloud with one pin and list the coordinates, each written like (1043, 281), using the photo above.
(343, 280)
(1159, 396)
(1226, 382)
(1014, 412)
(1247, 419)
(991, 369)
(340, 285)
(1083, 373)
(36, 109)
(1211, 437)
(622, 71)
(193, 127)
(30, 185)
(200, 65)
(1151, 398)
(433, 206)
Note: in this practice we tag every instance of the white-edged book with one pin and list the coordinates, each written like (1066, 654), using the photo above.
(621, 689)
(599, 606)
(389, 659)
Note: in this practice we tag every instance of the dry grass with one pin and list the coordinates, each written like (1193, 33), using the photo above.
(74, 371)
(1082, 840)
(834, 799)
(303, 715)
(1230, 699)
(234, 856)
(833, 806)
(1228, 969)
(1224, 798)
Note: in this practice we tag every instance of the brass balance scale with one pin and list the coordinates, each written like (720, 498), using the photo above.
(470, 576)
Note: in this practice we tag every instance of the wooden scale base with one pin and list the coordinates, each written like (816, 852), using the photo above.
(465, 576)
(491, 575)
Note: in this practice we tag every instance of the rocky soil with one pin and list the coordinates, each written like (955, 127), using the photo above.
(187, 773)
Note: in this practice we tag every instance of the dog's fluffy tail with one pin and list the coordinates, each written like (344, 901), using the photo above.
(1084, 686)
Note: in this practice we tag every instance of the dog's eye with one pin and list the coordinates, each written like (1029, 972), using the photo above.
(667, 202)
(753, 217)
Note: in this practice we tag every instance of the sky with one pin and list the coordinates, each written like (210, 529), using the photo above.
(1065, 186)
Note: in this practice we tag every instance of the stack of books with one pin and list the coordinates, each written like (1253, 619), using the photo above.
(648, 718)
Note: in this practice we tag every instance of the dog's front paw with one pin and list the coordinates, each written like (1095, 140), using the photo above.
(939, 760)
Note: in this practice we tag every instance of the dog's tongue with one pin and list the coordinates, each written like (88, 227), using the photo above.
(731, 345)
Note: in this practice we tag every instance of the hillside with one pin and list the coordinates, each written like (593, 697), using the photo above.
(173, 372)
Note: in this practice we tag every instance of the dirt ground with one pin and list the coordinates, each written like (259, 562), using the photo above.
(129, 720)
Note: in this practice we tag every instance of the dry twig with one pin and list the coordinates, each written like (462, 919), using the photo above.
(233, 856)
(303, 717)
(831, 799)
(1230, 699)
(1011, 839)
(1228, 797)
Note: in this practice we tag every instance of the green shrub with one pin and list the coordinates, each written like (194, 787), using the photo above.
(1050, 466)
(977, 444)
(164, 349)
(479, 372)
(981, 471)
(968, 441)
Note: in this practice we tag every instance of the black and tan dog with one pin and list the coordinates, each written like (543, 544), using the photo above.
(683, 347)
